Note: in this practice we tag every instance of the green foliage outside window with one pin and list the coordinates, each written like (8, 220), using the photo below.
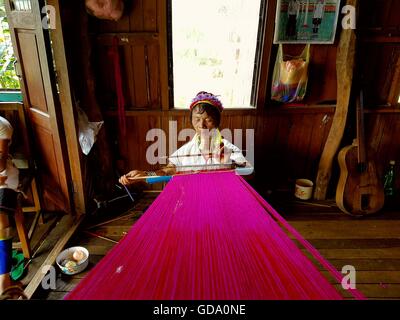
(8, 77)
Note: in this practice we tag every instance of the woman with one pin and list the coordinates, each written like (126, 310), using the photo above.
(206, 149)
(8, 203)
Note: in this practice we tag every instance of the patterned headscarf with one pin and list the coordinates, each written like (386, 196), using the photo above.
(208, 98)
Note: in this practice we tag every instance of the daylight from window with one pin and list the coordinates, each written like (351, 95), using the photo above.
(214, 48)
(8, 78)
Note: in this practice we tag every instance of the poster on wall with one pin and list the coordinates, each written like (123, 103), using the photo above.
(307, 21)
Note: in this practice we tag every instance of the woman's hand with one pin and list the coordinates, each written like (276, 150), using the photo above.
(225, 154)
(128, 178)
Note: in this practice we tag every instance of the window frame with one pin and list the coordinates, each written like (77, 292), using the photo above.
(261, 62)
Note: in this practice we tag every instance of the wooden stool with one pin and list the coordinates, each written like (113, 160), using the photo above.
(28, 181)
(21, 229)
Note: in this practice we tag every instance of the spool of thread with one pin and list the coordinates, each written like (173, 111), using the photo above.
(151, 180)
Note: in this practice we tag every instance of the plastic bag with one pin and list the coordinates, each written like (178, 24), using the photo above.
(289, 81)
(105, 9)
(87, 131)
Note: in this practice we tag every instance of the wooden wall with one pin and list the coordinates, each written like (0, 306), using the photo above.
(289, 140)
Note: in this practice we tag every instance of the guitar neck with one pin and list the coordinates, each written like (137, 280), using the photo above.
(360, 129)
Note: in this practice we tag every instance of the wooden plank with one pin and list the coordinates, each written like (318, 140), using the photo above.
(136, 17)
(345, 65)
(91, 105)
(356, 229)
(63, 284)
(56, 295)
(139, 74)
(153, 76)
(56, 242)
(376, 290)
(129, 77)
(150, 15)
(181, 112)
(41, 231)
(303, 109)
(125, 219)
(128, 39)
(371, 277)
(263, 92)
(99, 248)
(322, 60)
(320, 125)
(354, 243)
(101, 237)
(369, 253)
(383, 110)
(362, 264)
(162, 24)
(34, 80)
(68, 112)
(109, 230)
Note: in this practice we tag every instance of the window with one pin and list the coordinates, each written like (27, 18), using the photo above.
(8, 77)
(214, 48)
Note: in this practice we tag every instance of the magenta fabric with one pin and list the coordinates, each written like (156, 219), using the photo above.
(206, 236)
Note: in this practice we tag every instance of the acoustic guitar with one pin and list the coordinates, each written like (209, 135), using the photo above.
(359, 191)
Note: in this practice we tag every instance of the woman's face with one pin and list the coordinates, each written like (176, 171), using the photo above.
(202, 121)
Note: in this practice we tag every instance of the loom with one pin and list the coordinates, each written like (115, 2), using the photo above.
(193, 169)
(209, 236)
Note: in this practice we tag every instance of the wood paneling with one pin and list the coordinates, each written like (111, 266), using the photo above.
(31, 66)
(381, 137)
(49, 164)
(292, 146)
(379, 75)
(289, 140)
(139, 48)
(321, 87)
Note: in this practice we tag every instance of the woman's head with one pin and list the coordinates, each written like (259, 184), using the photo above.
(205, 111)
(6, 129)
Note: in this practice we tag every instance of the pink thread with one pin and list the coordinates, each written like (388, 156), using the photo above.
(206, 236)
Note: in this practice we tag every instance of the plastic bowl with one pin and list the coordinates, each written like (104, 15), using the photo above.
(73, 267)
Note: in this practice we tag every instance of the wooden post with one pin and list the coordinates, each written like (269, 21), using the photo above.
(68, 111)
(344, 69)
(94, 112)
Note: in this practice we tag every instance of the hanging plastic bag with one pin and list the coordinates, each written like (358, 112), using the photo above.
(105, 9)
(87, 131)
(290, 77)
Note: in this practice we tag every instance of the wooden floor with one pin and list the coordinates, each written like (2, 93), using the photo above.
(371, 245)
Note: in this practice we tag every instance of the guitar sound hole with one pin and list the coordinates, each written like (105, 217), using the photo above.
(364, 201)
